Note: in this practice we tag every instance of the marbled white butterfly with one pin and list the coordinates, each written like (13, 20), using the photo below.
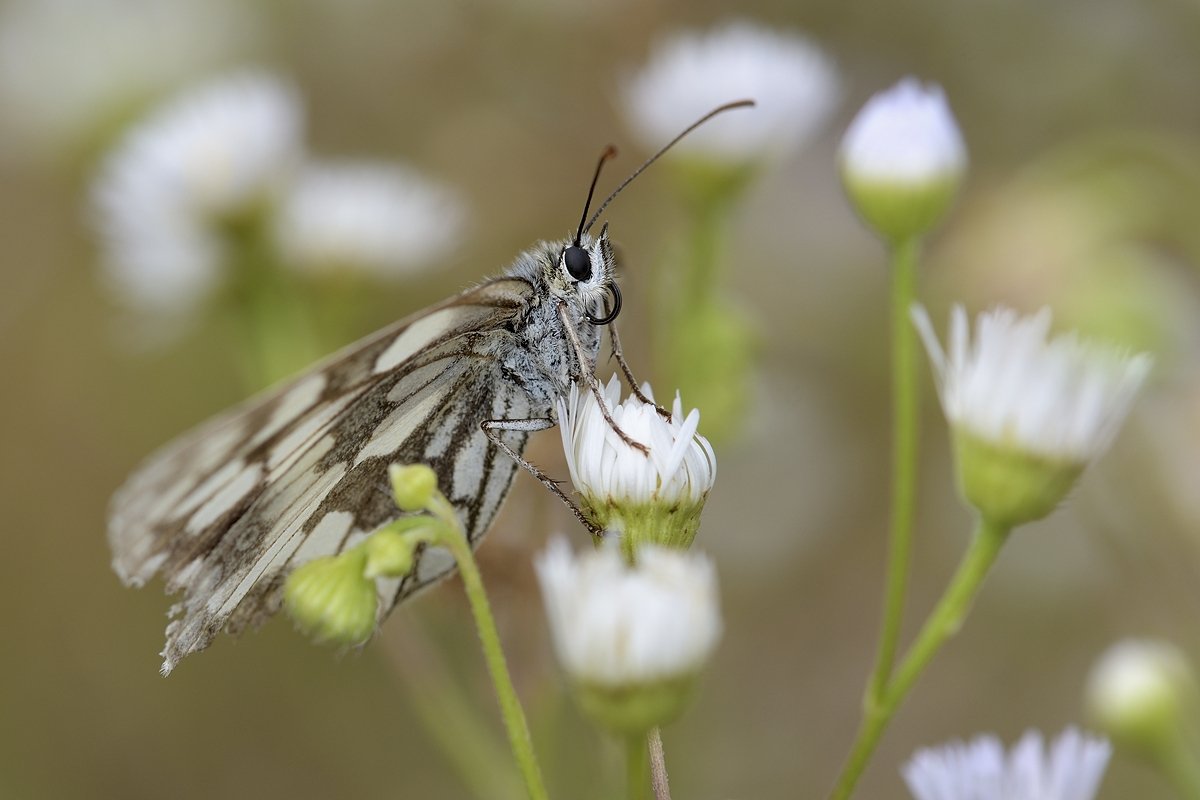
(225, 512)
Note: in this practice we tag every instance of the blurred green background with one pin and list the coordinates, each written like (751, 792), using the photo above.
(1081, 118)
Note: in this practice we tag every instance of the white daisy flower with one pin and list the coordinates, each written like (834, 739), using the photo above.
(631, 638)
(1071, 769)
(1140, 691)
(213, 155)
(380, 218)
(655, 497)
(68, 68)
(903, 158)
(1028, 413)
(794, 85)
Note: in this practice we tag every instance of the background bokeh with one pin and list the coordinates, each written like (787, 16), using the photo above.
(1082, 122)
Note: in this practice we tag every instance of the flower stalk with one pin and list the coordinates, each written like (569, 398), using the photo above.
(945, 621)
(905, 424)
(454, 539)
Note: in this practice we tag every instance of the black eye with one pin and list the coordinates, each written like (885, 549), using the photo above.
(578, 262)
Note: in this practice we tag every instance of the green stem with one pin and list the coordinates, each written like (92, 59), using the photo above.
(510, 706)
(637, 767)
(905, 408)
(945, 620)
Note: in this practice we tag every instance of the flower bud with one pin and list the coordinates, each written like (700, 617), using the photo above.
(1142, 693)
(389, 554)
(413, 485)
(902, 160)
(331, 599)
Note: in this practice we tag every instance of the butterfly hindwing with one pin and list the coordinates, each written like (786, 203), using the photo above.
(301, 472)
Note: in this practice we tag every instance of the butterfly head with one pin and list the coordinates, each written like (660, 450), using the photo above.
(584, 274)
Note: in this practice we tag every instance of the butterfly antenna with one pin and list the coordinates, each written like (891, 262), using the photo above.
(608, 153)
(655, 157)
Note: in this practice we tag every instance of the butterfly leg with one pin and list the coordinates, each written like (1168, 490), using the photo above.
(589, 376)
(492, 429)
(628, 373)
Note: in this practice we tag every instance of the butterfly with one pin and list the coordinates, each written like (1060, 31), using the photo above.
(225, 512)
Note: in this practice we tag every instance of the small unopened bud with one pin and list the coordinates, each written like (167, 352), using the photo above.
(1142, 694)
(389, 555)
(413, 485)
(331, 599)
(902, 160)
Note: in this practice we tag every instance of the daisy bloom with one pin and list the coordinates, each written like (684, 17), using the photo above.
(648, 498)
(793, 84)
(632, 639)
(1028, 412)
(1071, 769)
(209, 160)
(374, 217)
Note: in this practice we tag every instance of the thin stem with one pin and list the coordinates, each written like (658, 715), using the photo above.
(944, 621)
(658, 765)
(637, 767)
(510, 706)
(905, 407)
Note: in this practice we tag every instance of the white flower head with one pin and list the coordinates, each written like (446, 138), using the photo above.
(620, 483)
(902, 160)
(794, 85)
(1028, 414)
(215, 153)
(380, 218)
(905, 135)
(1140, 690)
(631, 638)
(1060, 398)
(1071, 769)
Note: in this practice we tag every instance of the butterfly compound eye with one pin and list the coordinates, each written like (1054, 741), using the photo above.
(578, 262)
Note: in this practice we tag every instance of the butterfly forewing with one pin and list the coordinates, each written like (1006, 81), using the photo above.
(301, 472)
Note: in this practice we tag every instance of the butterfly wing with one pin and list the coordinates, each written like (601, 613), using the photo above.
(225, 512)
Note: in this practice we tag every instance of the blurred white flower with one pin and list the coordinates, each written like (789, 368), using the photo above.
(980, 770)
(906, 135)
(657, 496)
(1027, 414)
(1140, 691)
(902, 160)
(214, 154)
(621, 626)
(1061, 399)
(68, 68)
(794, 85)
(371, 216)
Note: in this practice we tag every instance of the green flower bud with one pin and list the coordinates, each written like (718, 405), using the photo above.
(389, 554)
(413, 485)
(331, 599)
